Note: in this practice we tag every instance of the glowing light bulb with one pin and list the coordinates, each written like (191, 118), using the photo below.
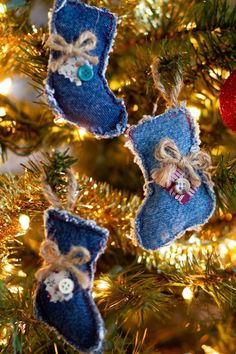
(232, 244)
(8, 268)
(3, 8)
(59, 121)
(5, 86)
(22, 274)
(223, 250)
(102, 285)
(94, 294)
(216, 73)
(187, 294)
(2, 112)
(82, 132)
(35, 30)
(115, 85)
(24, 221)
(228, 217)
(195, 112)
(209, 350)
(16, 289)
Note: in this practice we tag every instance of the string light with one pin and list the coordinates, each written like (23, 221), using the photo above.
(2, 112)
(82, 132)
(24, 221)
(191, 25)
(16, 289)
(187, 294)
(209, 350)
(228, 217)
(8, 268)
(102, 285)
(223, 250)
(135, 108)
(5, 86)
(34, 28)
(22, 274)
(59, 121)
(216, 73)
(115, 85)
(232, 244)
(3, 336)
(3, 8)
(195, 112)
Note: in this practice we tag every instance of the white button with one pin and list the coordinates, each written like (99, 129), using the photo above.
(66, 286)
(182, 186)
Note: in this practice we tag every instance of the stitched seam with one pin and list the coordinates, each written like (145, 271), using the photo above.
(144, 169)
(107, 50)
(106, 87)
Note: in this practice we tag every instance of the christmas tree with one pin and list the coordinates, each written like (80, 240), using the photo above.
(180, 298)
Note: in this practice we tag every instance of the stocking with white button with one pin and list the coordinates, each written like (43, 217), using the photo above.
(178, 188)
(63, 299)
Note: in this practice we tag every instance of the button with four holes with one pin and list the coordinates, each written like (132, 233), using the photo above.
(66, 286)
(182, 186)
(85, 73)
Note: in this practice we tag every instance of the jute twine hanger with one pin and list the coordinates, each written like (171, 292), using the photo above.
(71, 192)
(171, 97)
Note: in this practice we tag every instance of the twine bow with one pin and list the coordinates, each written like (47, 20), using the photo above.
(170, 158)
(87, 41)
(55, 261)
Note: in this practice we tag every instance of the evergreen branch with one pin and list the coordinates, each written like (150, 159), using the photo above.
(55, 166)
(22, 332)
(225, 183)
(136, 291)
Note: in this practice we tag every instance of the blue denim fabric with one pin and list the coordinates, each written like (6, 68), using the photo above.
(92, 105)
(78, 320)
(161, 219)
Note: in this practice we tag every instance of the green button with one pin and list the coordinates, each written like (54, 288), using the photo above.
(85, 73)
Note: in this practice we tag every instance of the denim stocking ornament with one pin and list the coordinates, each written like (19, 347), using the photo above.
(178, 189)
(63, 299)
(80, 40)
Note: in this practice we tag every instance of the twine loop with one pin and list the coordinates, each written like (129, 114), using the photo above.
(71, 191)
(170, 158)
(87, 41)
(54, 260)
(170, 97)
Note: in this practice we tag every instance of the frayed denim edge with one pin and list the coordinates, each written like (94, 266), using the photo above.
(77, 221)
(49, 92)
(130, 144)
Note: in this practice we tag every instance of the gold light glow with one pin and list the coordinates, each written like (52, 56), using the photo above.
(3, 8)
(16, 289)
(209, 350)
(2, 112)
(24, 221)
(187, 294)
(115, 85)
(195, 112)
(22, 274)
(59, 121)
(232, 244)
(5, 86)
(8, 268)
(82, 132)
(102, 284)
